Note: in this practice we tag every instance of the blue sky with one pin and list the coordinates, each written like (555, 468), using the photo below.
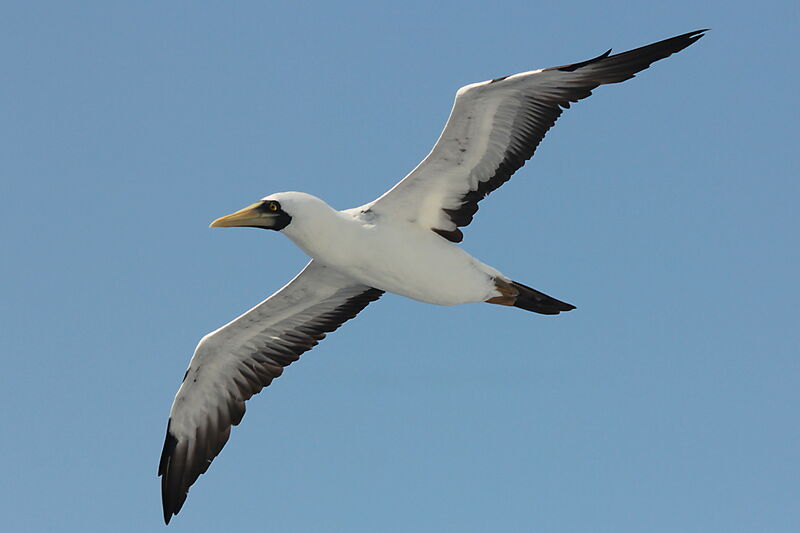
(664, 208)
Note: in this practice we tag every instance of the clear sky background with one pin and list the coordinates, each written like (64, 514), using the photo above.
(665, 208)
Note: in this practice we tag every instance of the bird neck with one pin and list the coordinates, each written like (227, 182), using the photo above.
(318, 228)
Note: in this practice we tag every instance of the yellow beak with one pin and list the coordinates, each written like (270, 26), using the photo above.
(251, 216)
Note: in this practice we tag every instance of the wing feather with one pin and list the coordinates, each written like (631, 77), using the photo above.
(236, 361)
(495, 127)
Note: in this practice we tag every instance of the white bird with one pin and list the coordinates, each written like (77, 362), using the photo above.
(403, 242)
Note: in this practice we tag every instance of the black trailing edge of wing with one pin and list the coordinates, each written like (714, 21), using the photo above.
(539, 113)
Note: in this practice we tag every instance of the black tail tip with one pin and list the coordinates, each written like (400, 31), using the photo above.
(538, 302)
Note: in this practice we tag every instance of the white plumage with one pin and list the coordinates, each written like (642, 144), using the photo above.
(386, 252)
(403, 242)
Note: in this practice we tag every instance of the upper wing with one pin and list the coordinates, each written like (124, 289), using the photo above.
(494, 127)
(236, 361)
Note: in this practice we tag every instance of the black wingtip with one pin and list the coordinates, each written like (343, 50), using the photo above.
(692, 36)
(168, 505)
(679, 42)
(639, 58)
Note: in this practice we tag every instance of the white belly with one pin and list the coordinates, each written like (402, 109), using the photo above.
(408, 260)
(438, 275)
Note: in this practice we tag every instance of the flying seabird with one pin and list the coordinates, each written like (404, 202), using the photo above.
(403, 242)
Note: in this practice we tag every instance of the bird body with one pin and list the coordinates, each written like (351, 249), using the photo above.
(403, 242)
(381, 251)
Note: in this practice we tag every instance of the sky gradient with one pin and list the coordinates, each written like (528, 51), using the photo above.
(664, 208)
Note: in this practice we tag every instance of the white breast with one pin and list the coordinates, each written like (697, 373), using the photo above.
(398, 257)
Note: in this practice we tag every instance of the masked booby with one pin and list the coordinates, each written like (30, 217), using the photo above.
(403, 242)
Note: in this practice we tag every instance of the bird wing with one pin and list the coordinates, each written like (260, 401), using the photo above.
(236, 361)
(494, 127)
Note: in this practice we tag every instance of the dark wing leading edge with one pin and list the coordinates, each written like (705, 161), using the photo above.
(494, 127)
(236, 361)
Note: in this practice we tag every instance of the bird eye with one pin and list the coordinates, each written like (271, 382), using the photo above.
(272, 206)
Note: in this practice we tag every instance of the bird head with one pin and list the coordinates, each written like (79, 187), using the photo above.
(275, 212)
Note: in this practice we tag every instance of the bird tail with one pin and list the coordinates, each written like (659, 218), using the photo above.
(519, 295)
